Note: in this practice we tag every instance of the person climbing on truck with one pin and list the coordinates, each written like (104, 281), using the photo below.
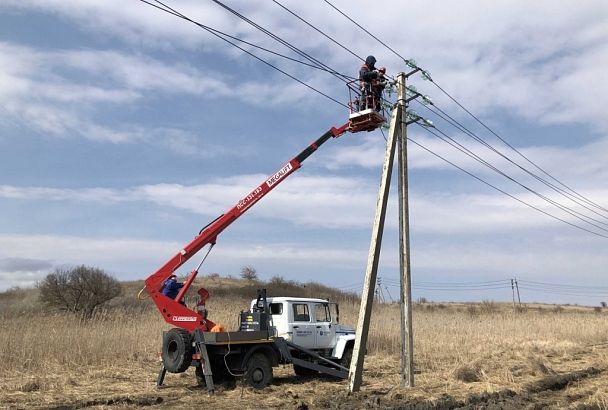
(171, 288)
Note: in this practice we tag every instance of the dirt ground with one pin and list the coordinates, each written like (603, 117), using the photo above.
(575, 381)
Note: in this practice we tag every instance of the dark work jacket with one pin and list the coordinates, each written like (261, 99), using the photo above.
(367, 73)
(171, 288)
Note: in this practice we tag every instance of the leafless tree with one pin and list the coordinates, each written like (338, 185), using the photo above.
(81, 289)
(248, 272)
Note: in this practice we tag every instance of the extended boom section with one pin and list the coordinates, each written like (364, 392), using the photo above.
(179, 315)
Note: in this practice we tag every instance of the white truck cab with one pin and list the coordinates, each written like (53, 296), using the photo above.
(308, 323)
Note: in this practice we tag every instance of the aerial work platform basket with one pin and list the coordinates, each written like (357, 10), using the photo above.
(366, 112)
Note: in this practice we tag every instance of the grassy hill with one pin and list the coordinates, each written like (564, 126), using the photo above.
(26, 300)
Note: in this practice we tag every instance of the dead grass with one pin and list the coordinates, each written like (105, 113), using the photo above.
(46, 357)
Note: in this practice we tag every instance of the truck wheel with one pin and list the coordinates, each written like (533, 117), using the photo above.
(347, 356)
(177, 350)
(258, 371)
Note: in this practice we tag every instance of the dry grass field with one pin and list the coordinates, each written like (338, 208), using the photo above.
(466, 356)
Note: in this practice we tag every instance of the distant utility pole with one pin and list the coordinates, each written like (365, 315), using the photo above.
(513, 292)
(517, 287)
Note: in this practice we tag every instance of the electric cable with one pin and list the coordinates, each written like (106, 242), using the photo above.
(446, 117)
(318, 30)
(277, 38)
(177, 14)
(517, 151)
(449, 140)
(503, 191)
(581, 197)
(563, 285)
(362, 28)
(221, 33)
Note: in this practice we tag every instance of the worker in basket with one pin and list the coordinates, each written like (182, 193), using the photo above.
(372, 84)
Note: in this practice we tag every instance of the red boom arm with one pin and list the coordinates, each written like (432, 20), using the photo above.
(179, 315)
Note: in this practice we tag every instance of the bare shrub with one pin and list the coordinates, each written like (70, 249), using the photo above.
(472, 310)
(248, 272)
(521, 309)
(80, 290)
(603, 304)
(488, 306)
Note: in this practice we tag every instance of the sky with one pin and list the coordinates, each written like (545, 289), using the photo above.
(124, 130)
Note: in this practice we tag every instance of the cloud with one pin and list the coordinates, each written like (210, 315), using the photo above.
(542, 62)
(22, 272)
(337, 203)
(24, 264)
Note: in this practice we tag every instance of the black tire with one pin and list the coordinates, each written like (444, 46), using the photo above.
(304, 371)
(177, 350)
(258, 371)
(347, 356)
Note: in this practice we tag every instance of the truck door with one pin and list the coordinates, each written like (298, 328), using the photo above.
(302, 325)
(324, 331)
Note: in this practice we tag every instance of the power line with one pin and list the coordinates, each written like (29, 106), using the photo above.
(564, 293)
(446, 117)
(518, 152)
(563, 285)
(318, 30)
(173, 12)
(240, 40)
(583, 198)
(502, 191)
(449, 140)
(278, 39)
(180, 15)
(362, 28)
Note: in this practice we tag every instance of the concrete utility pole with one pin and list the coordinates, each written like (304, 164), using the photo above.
(397, 138)
(407, 333)
(517, 287)
(513, 292)
(367, 295)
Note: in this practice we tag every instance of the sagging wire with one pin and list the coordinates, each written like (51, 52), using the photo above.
(501, 190)
(450, 120)
(169, 10)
